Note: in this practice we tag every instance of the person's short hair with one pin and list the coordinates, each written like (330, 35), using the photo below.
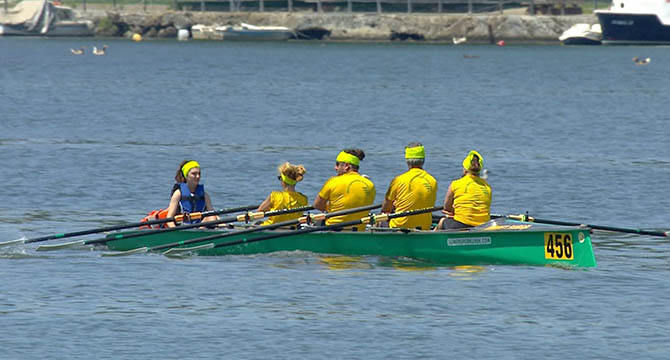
(415, 162)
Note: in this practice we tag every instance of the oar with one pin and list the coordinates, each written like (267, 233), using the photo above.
(371, 219)
(304, 219)
(178, 218)
(597, 227)
(436, 218)
(243, 217)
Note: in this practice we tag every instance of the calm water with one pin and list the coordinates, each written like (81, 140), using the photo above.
(568, 133)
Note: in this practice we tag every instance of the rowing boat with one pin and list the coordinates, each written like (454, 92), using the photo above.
(500, 241)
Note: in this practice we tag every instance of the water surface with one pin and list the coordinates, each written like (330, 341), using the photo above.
(568, 133)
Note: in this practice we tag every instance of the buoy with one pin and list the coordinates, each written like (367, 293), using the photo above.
(137, 37)
(182, 34)
(501, 43)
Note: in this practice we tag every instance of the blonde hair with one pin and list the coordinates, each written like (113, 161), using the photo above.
(295, 172)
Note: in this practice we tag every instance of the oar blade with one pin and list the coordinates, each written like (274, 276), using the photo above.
(126, 253)
(12, 242)
(178, 251)
(59, 246)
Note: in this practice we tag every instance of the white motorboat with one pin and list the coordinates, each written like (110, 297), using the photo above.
(204, 32)
(252, 32)
(582, 34)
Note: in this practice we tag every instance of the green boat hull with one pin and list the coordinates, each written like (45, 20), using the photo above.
(506, 244)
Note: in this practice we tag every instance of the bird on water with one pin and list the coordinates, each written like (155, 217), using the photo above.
(79, 51)
(100, 51)
(639, 61)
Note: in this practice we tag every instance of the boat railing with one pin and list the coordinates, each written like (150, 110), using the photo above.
(530, 7)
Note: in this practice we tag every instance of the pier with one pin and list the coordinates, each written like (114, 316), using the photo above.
(355, 26)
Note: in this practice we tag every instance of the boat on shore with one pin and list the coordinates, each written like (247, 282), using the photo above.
(247, 32)
(635, 22)
(43, 18)
(204, 32)
(582, 34)
(243, 32)
(500, 241)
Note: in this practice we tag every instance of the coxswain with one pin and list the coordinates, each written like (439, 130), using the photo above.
(288, 198)
(468, 199)
(346, 190)
(188, 195)
(412, 190)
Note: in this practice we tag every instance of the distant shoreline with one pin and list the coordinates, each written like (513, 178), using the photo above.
(477, 28)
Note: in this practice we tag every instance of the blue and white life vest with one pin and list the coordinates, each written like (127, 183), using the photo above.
(192, 202)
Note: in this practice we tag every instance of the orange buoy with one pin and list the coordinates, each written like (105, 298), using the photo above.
(501, 43)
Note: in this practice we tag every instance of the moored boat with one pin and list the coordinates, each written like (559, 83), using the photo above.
(248, 32)
(641, 22)
(499, 241)
(43, 18)
(582, 34)
(204, 32)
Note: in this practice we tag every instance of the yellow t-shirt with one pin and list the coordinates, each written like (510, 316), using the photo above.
(472, 200)
(347, 191)
(413, 190)
(281, 200)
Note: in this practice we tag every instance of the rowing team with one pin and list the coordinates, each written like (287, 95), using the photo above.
(466, 204)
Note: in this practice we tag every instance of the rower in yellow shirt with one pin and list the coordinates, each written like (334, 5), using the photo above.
(347, 190)
(412, 190)
(288, 198)
(468, 200)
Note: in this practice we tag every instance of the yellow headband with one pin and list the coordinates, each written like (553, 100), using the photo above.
(468, 160)
(188, 166)
(416, 152)
(348, 158)
(288, 180)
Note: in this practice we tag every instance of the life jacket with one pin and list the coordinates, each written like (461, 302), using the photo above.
(191, 202)
(154, 215)
(186, 204)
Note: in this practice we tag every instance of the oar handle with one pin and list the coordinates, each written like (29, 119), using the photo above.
(597, 227)
(366, 220)
(302, 220)
(199, 215)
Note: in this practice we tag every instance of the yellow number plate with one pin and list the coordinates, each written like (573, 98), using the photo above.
(558, 246)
